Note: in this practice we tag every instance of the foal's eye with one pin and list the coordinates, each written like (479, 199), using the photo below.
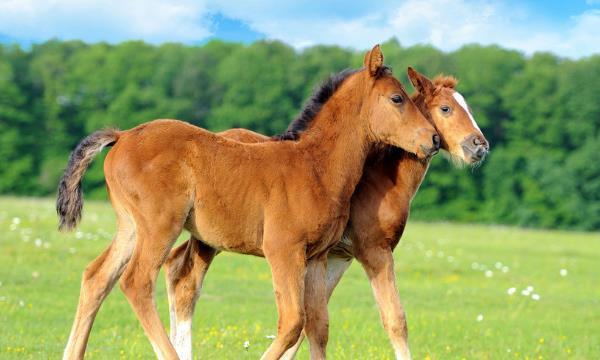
(445, 109)
(397, 99)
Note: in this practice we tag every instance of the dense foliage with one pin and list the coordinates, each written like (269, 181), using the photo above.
(540, 113)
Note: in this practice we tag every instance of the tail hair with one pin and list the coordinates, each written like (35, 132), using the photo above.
(69, 201)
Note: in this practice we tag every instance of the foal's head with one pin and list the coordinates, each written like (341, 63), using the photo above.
(393, 118)
(451, 116)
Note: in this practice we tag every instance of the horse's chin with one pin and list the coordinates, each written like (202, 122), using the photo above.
(477, 163)
(460, 161)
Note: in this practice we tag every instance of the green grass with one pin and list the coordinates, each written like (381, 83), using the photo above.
(443, 295)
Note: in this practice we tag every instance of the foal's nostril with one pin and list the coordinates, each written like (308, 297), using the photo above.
(436, 141)
(481, 151)
(477, 141)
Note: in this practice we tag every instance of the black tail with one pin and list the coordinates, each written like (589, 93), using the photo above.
(69, 201)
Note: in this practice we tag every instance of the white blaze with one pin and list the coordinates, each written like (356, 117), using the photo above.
(461, 101)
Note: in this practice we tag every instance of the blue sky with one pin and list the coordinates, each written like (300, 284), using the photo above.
(567, 28)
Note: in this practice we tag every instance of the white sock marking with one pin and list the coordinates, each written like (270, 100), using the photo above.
(401, 353)
(183, 339)
(172, 321)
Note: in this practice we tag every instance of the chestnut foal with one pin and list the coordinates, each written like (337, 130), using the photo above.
(379, 210)
(288, 201)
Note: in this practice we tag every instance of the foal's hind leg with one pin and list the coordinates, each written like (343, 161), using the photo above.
(154, 241)
(185, 269)
(98, 280)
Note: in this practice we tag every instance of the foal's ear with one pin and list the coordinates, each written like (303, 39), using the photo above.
(421, 83)
(374, 60)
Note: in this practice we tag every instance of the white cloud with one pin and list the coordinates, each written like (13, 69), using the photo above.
(584, 35)
(109, 20)
(446, 24)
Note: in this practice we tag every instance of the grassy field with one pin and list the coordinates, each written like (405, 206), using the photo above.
(454, 281)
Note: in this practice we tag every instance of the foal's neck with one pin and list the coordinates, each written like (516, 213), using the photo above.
(410, 172)
(338, 144)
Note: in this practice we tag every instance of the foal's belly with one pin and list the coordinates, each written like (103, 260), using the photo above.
(227, 233)
(328, 239)
(239, 235)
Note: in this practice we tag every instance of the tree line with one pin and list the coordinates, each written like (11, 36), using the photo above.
(541, 115)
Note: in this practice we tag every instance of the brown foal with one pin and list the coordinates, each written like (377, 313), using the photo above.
(288, 201)
(379, 210)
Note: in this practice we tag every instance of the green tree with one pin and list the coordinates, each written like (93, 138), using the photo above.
(16, 136)
(257, 93)
(541, 114)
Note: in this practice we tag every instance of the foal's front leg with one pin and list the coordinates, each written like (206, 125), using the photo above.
(378, 263)
(336, 267)
(315, 300)
(288, 269)
(185, 269)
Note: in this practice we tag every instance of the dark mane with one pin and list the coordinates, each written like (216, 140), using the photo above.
(314, 105)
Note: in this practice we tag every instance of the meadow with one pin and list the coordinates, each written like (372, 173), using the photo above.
(470, 292)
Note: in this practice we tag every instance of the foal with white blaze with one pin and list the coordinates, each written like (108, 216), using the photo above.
(379, 211)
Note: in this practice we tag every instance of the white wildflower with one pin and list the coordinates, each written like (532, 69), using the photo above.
(474, 266)
(270, 337)
(511, 291)
(38, 242)
(246, 344)
(489, 273)
(480, 317)
(498, 265)
(535, 297)
(563, 272)
(530, 288)
(505, 269)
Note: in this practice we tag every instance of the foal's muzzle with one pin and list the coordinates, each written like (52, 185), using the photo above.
(435, 147)
(475, 147)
